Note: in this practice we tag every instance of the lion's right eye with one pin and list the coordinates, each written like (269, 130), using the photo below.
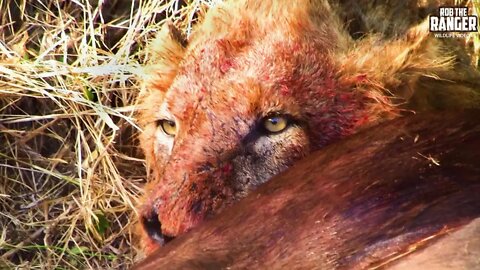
(168, 126)
(275, 124)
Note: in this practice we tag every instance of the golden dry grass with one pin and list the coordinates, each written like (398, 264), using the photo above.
(70, 168)
(474, 38)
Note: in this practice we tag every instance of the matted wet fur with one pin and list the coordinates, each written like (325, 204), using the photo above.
(299, 61)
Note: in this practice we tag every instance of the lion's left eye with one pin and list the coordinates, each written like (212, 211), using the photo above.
(275, 124)
(168, 126)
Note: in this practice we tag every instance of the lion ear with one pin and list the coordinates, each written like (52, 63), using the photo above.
(394, 66)
(165, 53)
(169, 40)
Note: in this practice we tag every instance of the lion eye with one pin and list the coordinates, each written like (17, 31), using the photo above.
(168, 126)
(275, 124)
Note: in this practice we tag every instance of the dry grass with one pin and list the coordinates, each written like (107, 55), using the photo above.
(474, 38)
(70, 168)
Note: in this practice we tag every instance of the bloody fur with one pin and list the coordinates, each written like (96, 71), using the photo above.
(248, 59)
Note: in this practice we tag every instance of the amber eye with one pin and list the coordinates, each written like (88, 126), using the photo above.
(168, 126)
(275, 124)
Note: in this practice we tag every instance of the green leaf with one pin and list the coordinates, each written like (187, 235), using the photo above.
(102, 224)
(78, 250)
(90, 94)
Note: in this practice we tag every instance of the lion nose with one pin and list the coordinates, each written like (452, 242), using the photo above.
(153, 227)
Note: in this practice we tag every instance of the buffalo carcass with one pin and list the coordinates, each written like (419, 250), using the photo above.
(402, 195)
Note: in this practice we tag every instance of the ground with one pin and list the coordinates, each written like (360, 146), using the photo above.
(70, 168)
